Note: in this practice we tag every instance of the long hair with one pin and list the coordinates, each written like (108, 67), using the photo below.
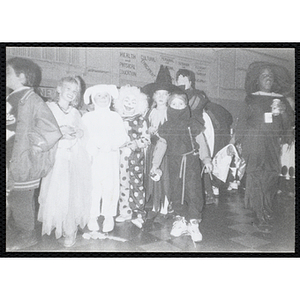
(282, 80)
(142, 103)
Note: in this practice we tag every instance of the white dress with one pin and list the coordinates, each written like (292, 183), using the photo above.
(65, 195)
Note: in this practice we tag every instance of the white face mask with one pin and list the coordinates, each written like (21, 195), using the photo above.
(102, 99)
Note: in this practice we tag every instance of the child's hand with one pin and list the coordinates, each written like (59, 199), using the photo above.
(152, 130)
(36, 149)
(132, 145)
(208, 166)
(68, 132)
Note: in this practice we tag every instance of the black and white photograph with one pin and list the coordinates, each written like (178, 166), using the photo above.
(146, 149)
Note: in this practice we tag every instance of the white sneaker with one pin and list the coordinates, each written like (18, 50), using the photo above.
(216, 191)
(138, 222)
(121, 219)
(108, 224)
(93, 225)
(193, 230)
(70, 240)
(179, 227)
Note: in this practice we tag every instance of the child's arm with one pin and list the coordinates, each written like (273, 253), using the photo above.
(144, 140)
(45, 131)
(158, 155)
(204, 154)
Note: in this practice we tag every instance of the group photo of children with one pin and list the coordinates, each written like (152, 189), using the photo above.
(151, 165)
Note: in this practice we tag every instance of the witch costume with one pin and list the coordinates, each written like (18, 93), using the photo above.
(261, 130)
(158, 191)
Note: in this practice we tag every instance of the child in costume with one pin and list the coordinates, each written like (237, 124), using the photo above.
(217, 121)
(157, 187)
(264, 123)
(180, 133)
(105, 133)
(132, 105)
(65, 192)
(32, 138)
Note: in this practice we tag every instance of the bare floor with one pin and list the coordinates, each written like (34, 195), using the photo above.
(226, 227)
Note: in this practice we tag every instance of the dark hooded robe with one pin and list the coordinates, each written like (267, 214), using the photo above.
(261, 134)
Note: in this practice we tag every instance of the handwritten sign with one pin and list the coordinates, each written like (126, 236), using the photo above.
(127, 65)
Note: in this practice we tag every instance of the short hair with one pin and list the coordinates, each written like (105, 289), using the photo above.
(32, 72)
(187, 73)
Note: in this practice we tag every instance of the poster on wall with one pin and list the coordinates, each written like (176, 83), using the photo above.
(127, 65)
(141, 67)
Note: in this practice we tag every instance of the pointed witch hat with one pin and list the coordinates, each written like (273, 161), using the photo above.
(163, 82)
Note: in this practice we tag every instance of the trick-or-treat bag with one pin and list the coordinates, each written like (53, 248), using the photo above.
(222, 160)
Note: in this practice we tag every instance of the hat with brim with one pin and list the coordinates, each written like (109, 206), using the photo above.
(282, 78)
(100, 88)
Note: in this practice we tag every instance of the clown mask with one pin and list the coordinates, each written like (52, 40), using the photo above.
(129, 104)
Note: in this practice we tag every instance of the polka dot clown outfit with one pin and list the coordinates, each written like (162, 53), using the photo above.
(105, 133)
(132, 105)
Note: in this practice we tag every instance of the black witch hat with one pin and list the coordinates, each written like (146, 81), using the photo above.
(163, 82)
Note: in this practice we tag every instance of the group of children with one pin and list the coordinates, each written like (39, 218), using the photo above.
(125, 147)
(106, 162)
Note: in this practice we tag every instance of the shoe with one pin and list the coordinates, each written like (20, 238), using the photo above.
(108, 224)
(121, 219)
(193, 230)
(209, 199)
(70, 240)
(215, 190)
(170, 208)
(24, 240)
(138, 222)
(179, 227)
(93, 225)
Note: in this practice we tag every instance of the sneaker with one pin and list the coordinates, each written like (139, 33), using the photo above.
(121, 219)
(193, 230)
(215, 190)
(170, 208)
(138, 222)
(233, 186)
(93, 225)
(108, 224)
(209, 199)
(179, 227)
(70, 240)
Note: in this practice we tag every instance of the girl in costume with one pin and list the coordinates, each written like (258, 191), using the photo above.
(105, 133)
(132, 105)
(157, 188)
(65, 192)
(263, 124)
(182, 135)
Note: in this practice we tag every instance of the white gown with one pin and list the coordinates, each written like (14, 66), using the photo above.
(65, 195)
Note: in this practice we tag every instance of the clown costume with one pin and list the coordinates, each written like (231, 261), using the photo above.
(132, 106)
